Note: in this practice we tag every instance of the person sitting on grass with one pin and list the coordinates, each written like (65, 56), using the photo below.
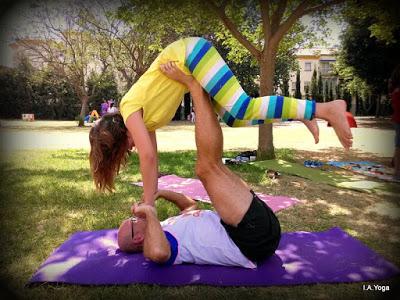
(153, 100)
(242, 232)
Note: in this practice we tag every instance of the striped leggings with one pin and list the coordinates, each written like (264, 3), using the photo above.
(230, 101)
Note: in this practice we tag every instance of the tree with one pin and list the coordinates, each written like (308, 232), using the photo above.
(298, 92)
(102, 87)
(314, 85)
(256, 26)
(64, 47)
(371, 59)
(370, 47)
(320, 95)
(326, 91)
(338, 93)
(53, 97)
(286, 60)
(127, 49)
(276, 19)
(41, 92)
(384, 15)
(15, 96)
(307, 92)
(331, 91)
(349, 82)
(285, 87)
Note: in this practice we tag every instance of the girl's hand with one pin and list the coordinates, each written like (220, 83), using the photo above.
(172, 71)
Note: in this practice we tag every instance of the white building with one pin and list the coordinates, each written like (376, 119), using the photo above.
(310, 59)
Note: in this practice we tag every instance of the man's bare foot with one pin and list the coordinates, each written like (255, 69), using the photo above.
(312, 126)
(335, 113)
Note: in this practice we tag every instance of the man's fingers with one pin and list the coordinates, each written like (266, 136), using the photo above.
(173, 65)
(165, 68)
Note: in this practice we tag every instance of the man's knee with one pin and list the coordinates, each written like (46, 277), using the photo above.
(201, 169)
(205, 167)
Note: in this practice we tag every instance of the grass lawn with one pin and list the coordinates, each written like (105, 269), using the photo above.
(48, 195)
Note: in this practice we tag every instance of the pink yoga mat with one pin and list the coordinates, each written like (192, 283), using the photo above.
(195, 189)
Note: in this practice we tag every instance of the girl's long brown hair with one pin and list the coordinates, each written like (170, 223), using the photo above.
(109, 150)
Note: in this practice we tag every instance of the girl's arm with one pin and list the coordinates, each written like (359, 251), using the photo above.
(147, 152)
(154, 142)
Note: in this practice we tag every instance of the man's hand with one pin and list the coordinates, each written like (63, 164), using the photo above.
(143, 210)
(172, 71)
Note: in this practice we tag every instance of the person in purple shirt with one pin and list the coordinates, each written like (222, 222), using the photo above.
(104, 107)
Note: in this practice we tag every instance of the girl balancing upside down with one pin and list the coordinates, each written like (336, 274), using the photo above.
(153, 100)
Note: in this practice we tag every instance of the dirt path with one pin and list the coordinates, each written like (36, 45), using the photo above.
(373, 137)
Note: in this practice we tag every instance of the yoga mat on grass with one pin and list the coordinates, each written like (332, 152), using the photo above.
(366, 168)
(194, 189)
(93, 258)
(328, 177)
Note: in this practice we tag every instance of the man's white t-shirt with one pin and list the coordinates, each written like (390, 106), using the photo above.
(198, 237)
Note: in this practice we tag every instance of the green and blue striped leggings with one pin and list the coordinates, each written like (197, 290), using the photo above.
(231, 102)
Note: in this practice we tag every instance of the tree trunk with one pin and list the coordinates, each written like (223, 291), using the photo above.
(265, 135)
(84, 107)
(378, 106)
(186, 105)
(353, 106)
(366, 109)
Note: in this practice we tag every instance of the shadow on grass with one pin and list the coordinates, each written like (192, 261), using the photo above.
(339, 154)
(72, 155)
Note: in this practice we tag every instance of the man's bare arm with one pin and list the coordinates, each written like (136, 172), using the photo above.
(155, 245)
(183, 202)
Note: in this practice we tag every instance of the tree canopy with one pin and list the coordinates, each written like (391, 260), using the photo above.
(372, 60)
(256, 28)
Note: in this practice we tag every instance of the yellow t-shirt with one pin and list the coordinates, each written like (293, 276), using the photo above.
(155, 93)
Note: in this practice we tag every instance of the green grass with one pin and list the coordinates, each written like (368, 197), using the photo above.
(48, 195)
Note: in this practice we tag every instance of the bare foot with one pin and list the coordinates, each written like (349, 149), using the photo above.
(335, 113)
(312, 126)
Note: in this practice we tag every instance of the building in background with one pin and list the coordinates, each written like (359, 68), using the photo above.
(310, 59)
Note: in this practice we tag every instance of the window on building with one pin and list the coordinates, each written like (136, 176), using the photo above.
(293, 86)
(325, 67)
(307, 66)
(307, 84)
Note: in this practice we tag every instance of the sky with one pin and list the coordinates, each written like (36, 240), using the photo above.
(13, 19)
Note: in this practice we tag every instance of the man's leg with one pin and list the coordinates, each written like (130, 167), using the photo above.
(230, 195)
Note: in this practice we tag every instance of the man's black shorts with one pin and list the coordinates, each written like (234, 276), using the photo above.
(258, 234)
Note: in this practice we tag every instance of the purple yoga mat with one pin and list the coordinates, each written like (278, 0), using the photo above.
(195, 190)
(92, 257)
